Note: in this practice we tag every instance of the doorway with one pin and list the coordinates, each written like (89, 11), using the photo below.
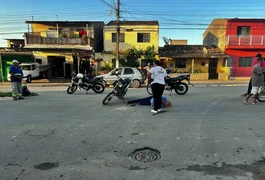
(212, 69)
(57, 66)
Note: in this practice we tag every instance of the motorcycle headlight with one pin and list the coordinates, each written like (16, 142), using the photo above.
(120, 85)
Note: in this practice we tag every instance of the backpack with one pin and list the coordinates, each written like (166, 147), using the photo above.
(25, 91)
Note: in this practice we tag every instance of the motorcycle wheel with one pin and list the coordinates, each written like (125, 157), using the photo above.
(261, 96)
(98, 88)
(108, 98)
(181, 88)
(71, 90)
(149, 89)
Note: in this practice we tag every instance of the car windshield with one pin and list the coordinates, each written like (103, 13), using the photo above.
(26, 67)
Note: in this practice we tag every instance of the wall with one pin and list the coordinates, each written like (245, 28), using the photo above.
(257, 27)
(7, 62)
(215, 34)
(131, 37)
(178, 42)
(197, 65)
(44, 55)
(40, 28)
(98, 37)
(236, 54)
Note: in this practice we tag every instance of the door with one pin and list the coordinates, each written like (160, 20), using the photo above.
(212, 69)
(68, 70)
(127, 73)
(111, 78)
(34, 71)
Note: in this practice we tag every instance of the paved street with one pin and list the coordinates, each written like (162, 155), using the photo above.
(207, 135)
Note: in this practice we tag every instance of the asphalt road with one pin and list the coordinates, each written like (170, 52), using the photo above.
(207, 135)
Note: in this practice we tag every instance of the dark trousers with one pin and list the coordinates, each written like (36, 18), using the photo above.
(143, 101)
(249, 86)
(157, 90)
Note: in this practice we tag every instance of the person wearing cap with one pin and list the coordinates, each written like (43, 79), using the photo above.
(16, 80)
(257, 81)
(258, 56)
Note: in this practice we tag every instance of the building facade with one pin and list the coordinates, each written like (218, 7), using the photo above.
(202, 62)
(65, 45)
(138, 34)
(241, 39)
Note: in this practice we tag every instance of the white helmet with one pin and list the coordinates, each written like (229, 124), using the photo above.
(79, 75)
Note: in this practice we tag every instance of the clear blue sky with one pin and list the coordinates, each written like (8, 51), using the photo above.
(174, 16)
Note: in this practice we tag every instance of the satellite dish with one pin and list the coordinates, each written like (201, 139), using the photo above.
(166, 40)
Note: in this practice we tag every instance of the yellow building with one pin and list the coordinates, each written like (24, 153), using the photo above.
(138, 34)
(66, 45)
(202, 62)
(215, 34)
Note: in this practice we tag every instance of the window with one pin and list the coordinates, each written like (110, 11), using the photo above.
(180, 63)
(26, 67)
(243, 31)
(143, 37)
(39, 61)
(34, 67)
(128, 71)
(122, 37)
(245, 61)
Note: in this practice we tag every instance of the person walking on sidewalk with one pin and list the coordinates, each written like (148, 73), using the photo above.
(250, 81)
(16, 80)
(158, 85)
(257, 81)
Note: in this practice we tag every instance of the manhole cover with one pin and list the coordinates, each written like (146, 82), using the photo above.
(146, 155)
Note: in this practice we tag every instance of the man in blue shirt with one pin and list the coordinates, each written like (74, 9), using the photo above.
(16, 80)
(150, 101)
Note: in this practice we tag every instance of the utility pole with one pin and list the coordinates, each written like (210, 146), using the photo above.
(118, 34)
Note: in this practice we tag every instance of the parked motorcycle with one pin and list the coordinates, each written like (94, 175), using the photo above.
(85, 83)
(119, 90)
(175, 83)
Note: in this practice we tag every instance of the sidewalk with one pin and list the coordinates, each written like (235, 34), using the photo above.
(63, 82)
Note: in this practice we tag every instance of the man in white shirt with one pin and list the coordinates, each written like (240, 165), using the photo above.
(158, 85)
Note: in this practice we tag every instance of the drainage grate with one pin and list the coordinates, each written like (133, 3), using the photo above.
(146, 155)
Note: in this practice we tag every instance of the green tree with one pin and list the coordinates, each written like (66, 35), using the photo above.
(149, 54)
(130, 57)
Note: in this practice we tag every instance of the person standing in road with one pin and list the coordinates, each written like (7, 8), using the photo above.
(16, 80)
(158, 85)
(250, 81)
(257, 81)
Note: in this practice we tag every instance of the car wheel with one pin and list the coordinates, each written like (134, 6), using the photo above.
(136, 83)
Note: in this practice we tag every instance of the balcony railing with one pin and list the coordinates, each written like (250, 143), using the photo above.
(252, 40)
(37, 39)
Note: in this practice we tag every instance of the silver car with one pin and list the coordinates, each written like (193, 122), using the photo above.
(124, 72)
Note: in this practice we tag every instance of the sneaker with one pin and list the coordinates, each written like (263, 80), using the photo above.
(15, 98)
(159, 110)
(154, 111)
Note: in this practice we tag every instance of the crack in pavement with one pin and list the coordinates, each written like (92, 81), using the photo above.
(257, 169)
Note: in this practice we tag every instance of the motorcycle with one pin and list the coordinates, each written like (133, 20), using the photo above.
(85, 83)
(175, 83)
(119, 90)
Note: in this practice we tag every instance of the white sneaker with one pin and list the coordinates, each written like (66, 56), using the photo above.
(154, 111)
(159, 110)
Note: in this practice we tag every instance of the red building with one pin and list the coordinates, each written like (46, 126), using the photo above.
(241, 39)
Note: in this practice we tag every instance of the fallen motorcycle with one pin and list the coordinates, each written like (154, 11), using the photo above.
(119, 90)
